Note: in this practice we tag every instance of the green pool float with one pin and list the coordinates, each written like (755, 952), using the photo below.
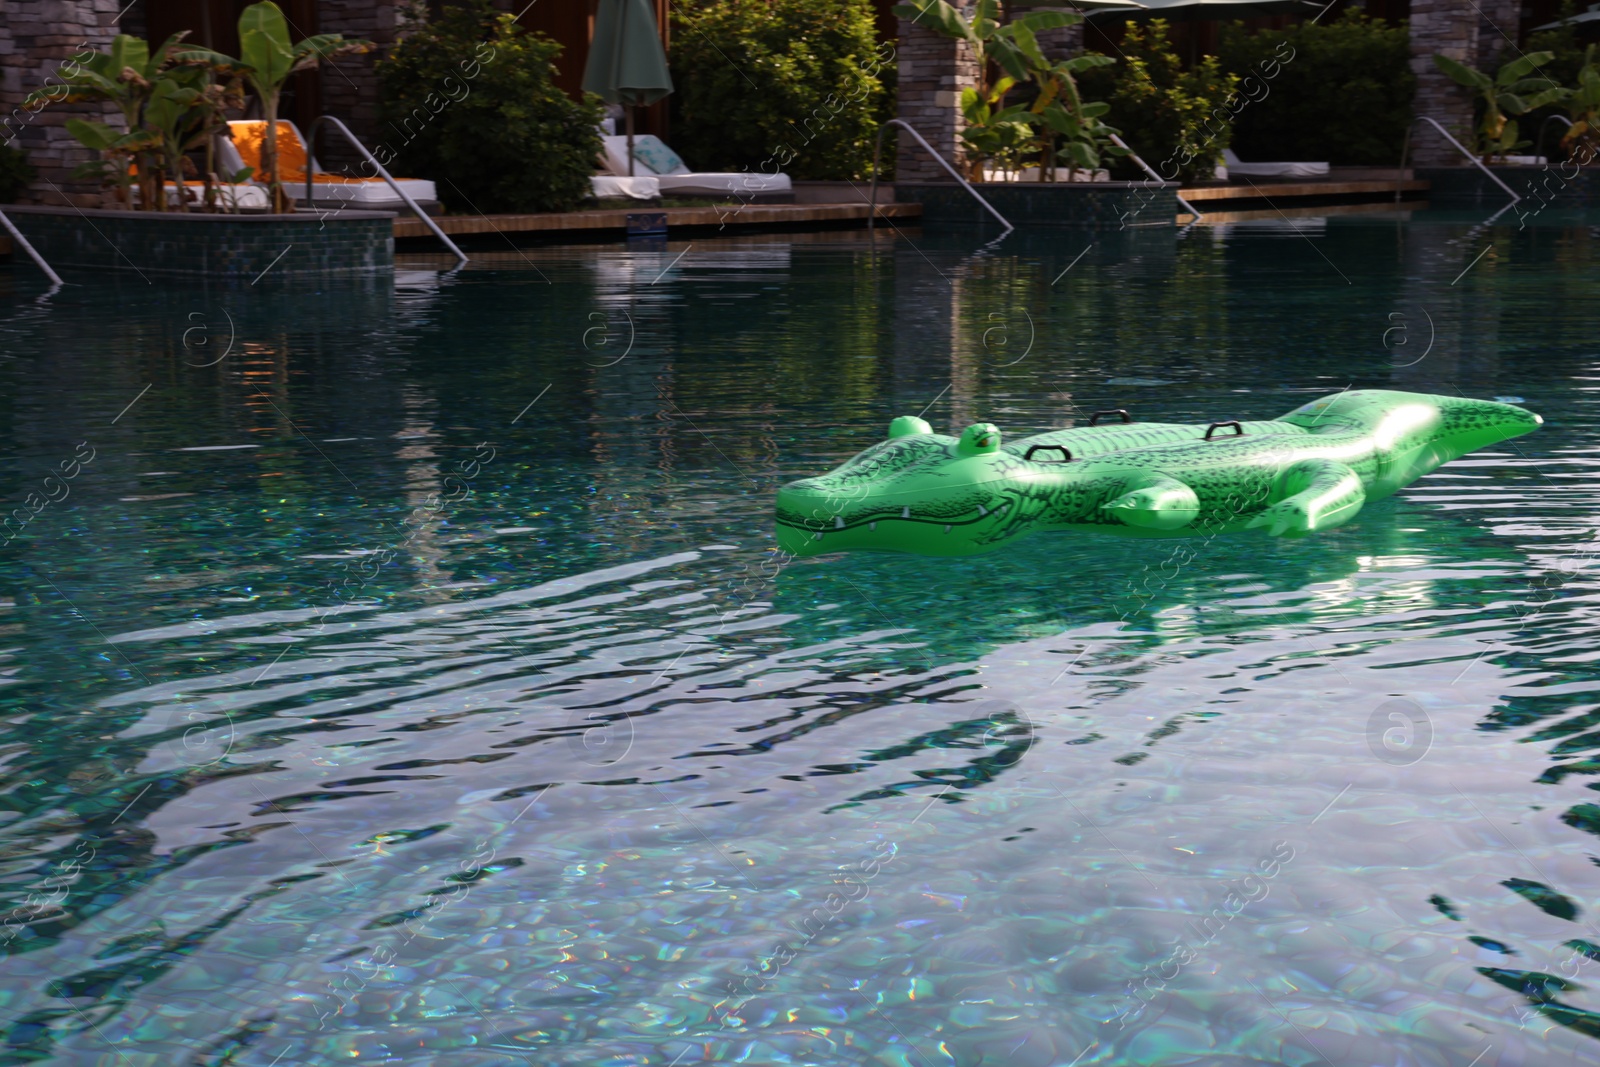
(1309, 470)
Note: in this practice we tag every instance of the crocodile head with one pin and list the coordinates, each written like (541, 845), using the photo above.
(918, 492)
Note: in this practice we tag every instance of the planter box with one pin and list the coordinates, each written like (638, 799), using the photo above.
(166, 244)
(1100, 205)
(1556, 185)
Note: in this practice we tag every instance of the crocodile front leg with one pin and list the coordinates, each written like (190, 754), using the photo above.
(1155, 502)
(1314, 494)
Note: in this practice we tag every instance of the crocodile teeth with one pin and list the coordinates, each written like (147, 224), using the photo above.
(981, 510)
(818, 537)
(905, 512)
(947, 529)
(838, 522)
(872, 526)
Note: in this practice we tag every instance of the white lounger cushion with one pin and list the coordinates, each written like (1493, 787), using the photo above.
(730, 183)
(241, 197)
(1272, 170)
(373, 192)
(610, 187)
(649, 154)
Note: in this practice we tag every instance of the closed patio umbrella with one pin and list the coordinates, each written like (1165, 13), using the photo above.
(1189, 10)
(627, 64)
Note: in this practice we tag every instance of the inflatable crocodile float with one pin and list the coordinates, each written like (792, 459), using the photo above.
(1309, 470)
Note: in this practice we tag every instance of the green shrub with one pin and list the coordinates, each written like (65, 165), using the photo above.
(15, 173)
(1341, 93)
(793, 85)
(1173, 118)
(468, 101)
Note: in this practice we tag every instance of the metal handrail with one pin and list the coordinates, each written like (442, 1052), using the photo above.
(311, 170)
(22, 242)
(1120, 143)
(1405, 150)
(1538, 142)
(877, 148)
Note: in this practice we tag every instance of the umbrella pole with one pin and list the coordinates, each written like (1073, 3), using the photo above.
(629, 109)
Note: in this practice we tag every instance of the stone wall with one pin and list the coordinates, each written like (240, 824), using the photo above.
(1497, 31)
(36, 38)
(932, 72)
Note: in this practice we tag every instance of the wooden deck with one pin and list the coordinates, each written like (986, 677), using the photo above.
(1291, 191)
(731, 217)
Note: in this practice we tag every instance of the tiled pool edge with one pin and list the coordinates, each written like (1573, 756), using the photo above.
(1114, 205)
(1469, 186)
(170, 244)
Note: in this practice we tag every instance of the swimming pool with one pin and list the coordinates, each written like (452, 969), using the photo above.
(405, 673)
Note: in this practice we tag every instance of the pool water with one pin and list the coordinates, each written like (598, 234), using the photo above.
(406, 673)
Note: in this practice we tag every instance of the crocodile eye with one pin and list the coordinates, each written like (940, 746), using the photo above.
(979, 438)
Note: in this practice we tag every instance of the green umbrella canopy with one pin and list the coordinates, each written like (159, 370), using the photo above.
(627, 64)
(1591, 15)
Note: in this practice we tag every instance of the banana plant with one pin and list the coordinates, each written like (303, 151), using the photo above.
(1512, 91)
(267, 59)
(125, 76)
(1057, 113)
(117, 150)
(1583, 108)
(187, 109)
(994, 133)
(1060, 111)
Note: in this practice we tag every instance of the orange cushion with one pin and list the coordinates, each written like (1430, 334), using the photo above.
(248, 138)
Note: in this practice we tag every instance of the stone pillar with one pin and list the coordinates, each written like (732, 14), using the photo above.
(1447, 27)
(932, 72)
(1498, 22)
(36, 38)
(349, 83)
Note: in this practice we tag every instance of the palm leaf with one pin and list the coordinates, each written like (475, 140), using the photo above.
(1462, 74)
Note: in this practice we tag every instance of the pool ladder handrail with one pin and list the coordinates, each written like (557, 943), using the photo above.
(22, 243)
(877, 148)
(1190, 208)
(311, 172)
(1538, 142)
(1405, 150)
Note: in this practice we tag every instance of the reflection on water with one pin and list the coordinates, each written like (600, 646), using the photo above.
(409, 674)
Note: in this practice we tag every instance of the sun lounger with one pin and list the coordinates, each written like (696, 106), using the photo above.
(652, 157)
(244, 150)
(1237, 167)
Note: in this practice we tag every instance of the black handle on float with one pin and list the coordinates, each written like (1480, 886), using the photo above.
(1094, 419)
(1215, 426)
(1066, 454)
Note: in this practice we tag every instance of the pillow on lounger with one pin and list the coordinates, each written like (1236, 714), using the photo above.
(649, 150)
